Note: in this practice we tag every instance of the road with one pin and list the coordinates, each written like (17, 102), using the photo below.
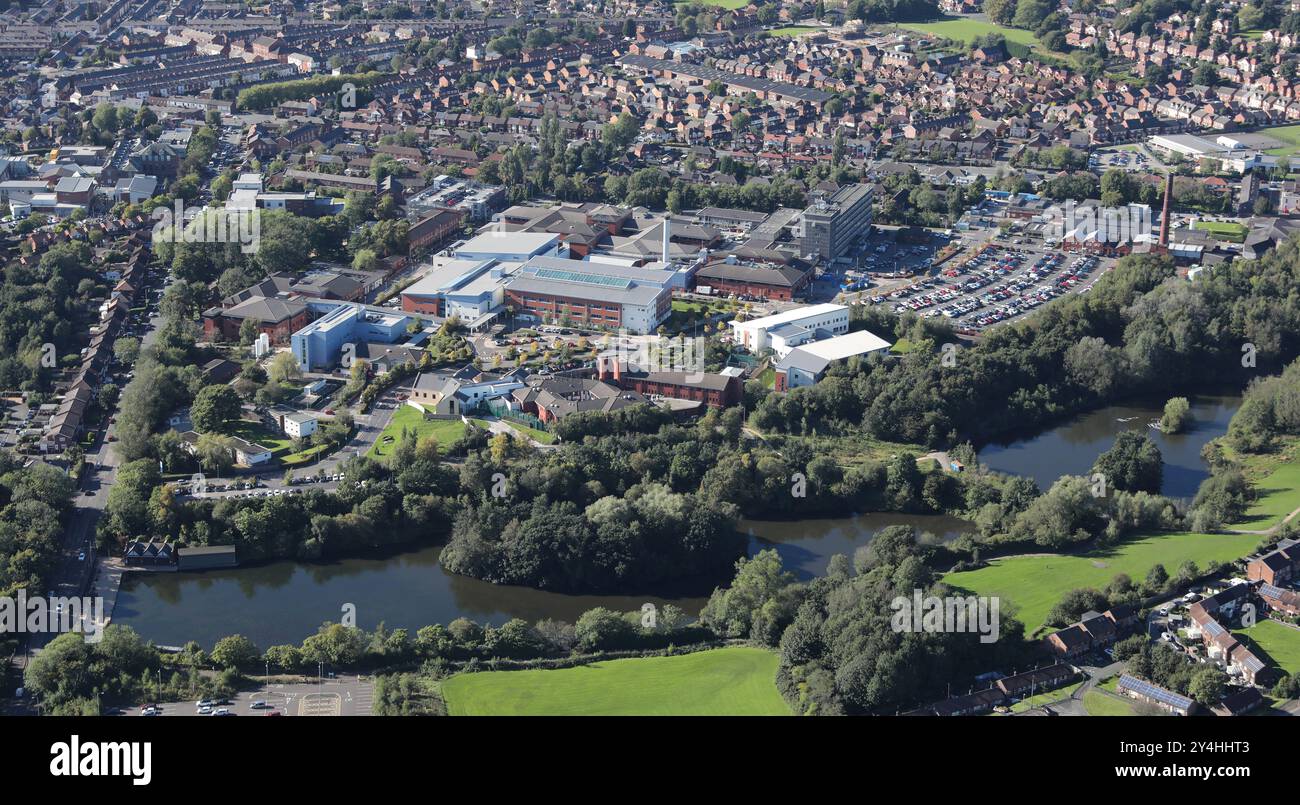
(77, 555)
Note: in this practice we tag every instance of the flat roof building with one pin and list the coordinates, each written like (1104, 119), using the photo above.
(592, 293)
(321, 344)
(511, 246)
(782, 332)
(830, 226)
(807, 364)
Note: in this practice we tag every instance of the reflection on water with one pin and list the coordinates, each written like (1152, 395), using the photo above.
(806, 546)
(1072, 448)
(283, 602)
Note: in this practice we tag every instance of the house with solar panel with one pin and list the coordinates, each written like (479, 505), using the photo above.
(1165, 699)
(1209, 621)
(1277, 599)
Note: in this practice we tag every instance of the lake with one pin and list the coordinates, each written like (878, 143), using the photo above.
(1072, 447)
(284, 602)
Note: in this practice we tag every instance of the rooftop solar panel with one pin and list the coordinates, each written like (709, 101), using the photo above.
(1270, 591)
(577, 276)
(1144, 688)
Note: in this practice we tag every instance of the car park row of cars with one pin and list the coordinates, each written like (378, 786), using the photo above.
(215, 707)
(190, 489)
(956, 293)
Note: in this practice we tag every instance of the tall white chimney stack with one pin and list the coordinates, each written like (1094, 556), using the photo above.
(667, 237)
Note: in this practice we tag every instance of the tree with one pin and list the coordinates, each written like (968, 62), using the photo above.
(214, 407)
(1207, 685)
(284, 367)
(1133, 463)
(759, 604)
(1177, 416)
(249, 329)
(365, 260)
(1072, 606)
(602, 629)
(235, 651)
(1157, 578)
(1030, 13)
(126, 350)
(215, 454)
(1000, 11)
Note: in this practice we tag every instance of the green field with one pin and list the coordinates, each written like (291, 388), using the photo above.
(1287, 134)
(737, 680)
(1280, 642)
(965, 30)
(1099, 704)
(1040, 699)
(793, 30)
(1034, 584)
(445, 431)
(305, 457)
(1224, 230)
(259, 433)
(1279, 495)
(536, 435)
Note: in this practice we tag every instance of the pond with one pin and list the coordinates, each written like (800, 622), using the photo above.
(283, 602)
(1072, 447)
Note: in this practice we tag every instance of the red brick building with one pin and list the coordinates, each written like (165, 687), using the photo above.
(436, 226)
(278, 318)
(1276, 567)
(717, 391)
(764, 282)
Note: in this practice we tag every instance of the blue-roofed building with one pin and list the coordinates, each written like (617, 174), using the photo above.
(319, 345)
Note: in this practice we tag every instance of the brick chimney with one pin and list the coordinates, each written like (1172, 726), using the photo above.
(1164, 214)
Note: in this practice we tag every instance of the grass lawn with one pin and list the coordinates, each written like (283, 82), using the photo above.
(727, 4)
(767, 377)
(1279, 495)
(1034, 584)
(688, 315)
(1099, 704)
(1287, 134)
(257, 432)
(1281, 643)
(445, 431)
(737, 680)
(793, 30)
(1045, 698)
(965, 30)
(1224, 230)
(539, 436)
(305, 457)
